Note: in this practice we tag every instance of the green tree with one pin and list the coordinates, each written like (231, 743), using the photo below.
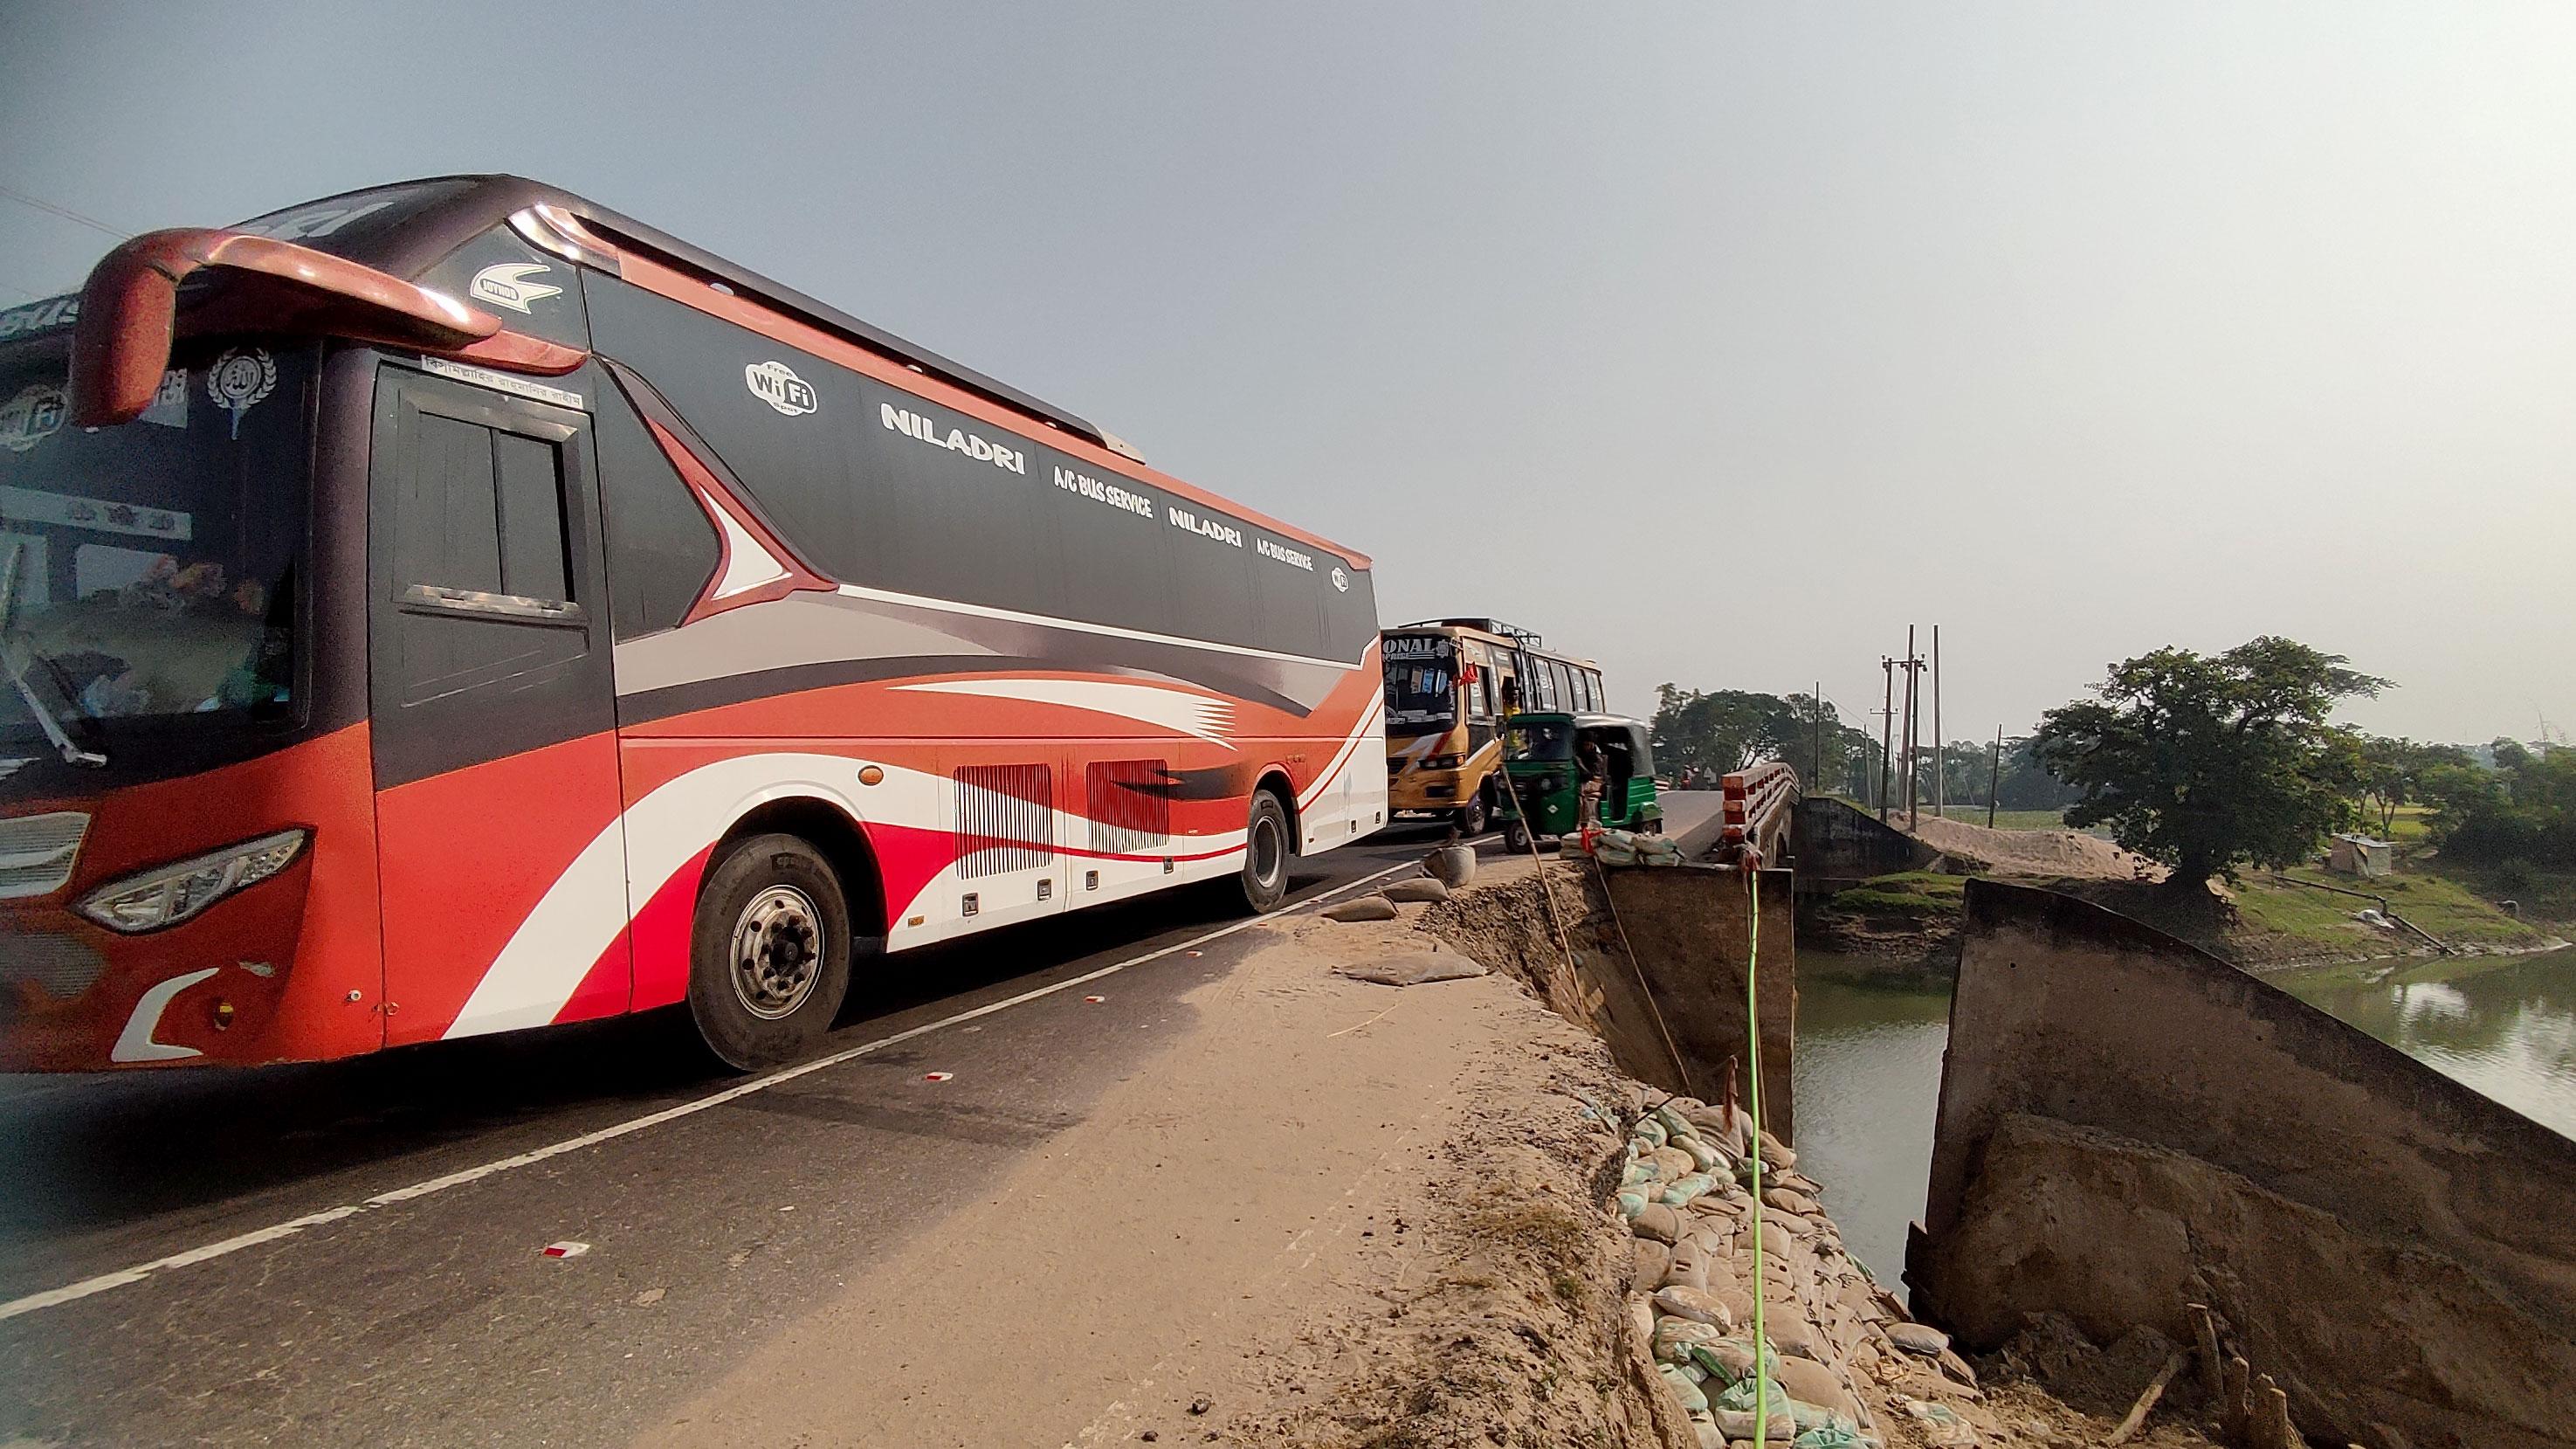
(2393, 773)
(2027, 784)
(2209, 762)
(1723, 730)
(2523, 811)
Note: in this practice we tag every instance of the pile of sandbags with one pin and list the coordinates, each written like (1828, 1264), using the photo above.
(1832, 1339)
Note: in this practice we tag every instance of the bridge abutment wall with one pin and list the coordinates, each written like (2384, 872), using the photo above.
(2128, 1125)
(1838, 845)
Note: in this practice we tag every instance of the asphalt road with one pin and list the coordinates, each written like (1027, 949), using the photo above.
(353, 1252)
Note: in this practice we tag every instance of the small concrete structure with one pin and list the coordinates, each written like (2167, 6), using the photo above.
(2359, 855)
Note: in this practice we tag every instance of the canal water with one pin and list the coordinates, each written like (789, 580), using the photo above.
(1868, 1068)
(1868, 1076)
(2505, 1025)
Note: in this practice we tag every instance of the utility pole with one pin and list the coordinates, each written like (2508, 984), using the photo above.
(1886, 721)
(1940, 742)
(1913, 732)
(1995, 777)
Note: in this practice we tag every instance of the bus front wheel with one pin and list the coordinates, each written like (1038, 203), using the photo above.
(1472, 816)
(769, 953)
(1265, 854)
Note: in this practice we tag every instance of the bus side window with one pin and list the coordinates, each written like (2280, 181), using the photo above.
(485, 563)
(483, 512)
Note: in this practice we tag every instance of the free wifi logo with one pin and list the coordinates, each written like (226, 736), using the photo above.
(777, 384)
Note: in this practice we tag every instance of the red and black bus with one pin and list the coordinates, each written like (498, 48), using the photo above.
(454, 607)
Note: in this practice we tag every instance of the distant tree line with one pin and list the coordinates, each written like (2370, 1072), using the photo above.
(2207, 763)
(2519, 812)
(1712, 732)
(1704, 734)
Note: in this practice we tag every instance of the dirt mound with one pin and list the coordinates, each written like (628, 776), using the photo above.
(1504, 1325)
(2054, 854)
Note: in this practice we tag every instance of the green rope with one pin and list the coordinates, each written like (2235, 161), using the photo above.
(1753, 1049)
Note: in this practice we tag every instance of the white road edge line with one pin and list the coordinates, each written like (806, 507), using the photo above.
(73, 1292)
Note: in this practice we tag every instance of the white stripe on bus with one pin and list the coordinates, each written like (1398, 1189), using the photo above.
(1113, 631)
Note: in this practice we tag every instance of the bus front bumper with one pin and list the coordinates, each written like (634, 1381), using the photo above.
(1421, 790)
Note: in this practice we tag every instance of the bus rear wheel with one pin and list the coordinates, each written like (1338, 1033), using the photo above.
(1265, 854)
(769, 953)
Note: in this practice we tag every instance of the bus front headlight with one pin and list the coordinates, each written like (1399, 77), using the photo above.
(169, 894)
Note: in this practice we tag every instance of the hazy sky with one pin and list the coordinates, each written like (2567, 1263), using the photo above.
(1716, 342)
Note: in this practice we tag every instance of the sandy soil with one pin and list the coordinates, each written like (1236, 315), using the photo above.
(2057, 854)
(1331, 1213)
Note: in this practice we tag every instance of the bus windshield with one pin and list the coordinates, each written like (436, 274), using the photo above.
(150, 565)
(1421, 684)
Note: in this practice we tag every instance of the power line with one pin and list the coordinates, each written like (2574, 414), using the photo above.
(65, 212)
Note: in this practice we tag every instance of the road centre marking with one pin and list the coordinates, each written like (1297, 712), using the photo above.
(73, 1292)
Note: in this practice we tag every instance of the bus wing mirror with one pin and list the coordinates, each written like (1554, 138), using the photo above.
(129, 312)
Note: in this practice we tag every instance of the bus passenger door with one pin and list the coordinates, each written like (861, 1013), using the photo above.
(503, 860)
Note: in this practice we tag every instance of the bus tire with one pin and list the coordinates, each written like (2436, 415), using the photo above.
(1472, 816)
(769, 953)
(1264, 875)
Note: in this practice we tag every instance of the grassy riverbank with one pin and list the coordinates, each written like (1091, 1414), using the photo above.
(2279, 917)
(2269, 904)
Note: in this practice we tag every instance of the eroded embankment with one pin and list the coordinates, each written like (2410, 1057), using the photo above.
(1844, 1366)
(1850, 1366)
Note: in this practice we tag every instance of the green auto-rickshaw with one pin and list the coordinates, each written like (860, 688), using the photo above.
(1544, 755)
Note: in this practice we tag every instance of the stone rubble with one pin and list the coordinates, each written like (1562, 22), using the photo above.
(1841, 1359)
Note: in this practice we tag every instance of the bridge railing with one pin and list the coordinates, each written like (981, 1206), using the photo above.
(1757, 806)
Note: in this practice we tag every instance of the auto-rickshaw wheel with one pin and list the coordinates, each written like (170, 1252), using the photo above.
(1515, 836)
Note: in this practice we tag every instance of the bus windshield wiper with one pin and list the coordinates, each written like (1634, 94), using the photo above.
(46, 719)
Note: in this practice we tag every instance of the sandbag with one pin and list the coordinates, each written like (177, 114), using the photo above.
(1739, 1396)
(1413, 968)
(1674, 1337)
(1684, 1392)
(1838, 1434)
(1680, 1191)
(1702, 1156)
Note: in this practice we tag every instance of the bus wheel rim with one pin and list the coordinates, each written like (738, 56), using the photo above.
(777, 952)
(1265, 850)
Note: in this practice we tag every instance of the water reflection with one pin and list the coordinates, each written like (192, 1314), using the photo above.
(2504, 1025)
